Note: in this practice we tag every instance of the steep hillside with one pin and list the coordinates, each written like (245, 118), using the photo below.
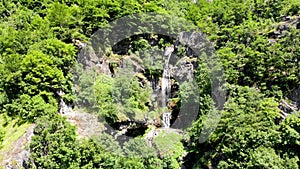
(149, 84)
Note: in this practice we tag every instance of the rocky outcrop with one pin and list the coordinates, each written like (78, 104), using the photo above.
(280, 29)
(18, 155)
(295, 97)
(86, 124)
(90, 60)
(287, 108)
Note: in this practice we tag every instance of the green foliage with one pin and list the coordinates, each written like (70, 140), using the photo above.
(40, 74)
(53, 143)
(63, 57)
(138, 148)
(91, 155)
(62, 18)
(290, 133)
(31, 85)
(55, 146)
(170, 148)
(85, 89)
(263, 157)
(105, 100)
(128, 92)
(62, 54)
(152, 60)
(256, 42)
(22, 29)
(240, 30)
(30, 108)
(2, 134)
(11, 132)
(121, 98)
(247, 124)
(141, 44)
(108, 143)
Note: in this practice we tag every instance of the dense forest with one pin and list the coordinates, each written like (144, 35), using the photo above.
(67, 100)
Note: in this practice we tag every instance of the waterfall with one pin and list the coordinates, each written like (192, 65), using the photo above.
(166, 86)
(166, 119)
(165, 81)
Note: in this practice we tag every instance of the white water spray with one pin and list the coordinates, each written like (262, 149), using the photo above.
(166, 86)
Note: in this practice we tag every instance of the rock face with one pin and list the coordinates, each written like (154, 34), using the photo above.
(90, 60)
(86, 124)
(183, 71)
(295, 97)
(286, 24)
(18, 156)
(291, 106)
(160, 68)
(63, 107)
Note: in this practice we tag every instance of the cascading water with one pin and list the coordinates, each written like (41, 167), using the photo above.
(166, 87)
(166, 119)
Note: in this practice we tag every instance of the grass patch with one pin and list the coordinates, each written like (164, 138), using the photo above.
(169, 143)
(13, 131)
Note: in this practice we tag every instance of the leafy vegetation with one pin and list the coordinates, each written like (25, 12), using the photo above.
(11, 131)
(257, 42)
(249, 122)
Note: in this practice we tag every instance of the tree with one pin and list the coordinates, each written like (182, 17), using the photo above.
(62, 17)
(30, 85)
(248, 122)
(30, 108)
(138, 148)
(53, 143)
(266, 157)
(63, 55)
(108, 143)
(290, 136)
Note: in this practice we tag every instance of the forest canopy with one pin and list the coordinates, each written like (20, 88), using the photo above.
(256, 41)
